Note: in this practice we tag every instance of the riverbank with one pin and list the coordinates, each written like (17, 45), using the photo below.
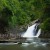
(16, 32)
(25, 46)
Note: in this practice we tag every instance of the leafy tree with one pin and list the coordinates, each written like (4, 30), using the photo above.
(4, 19)
(46, 25)
(21, 12)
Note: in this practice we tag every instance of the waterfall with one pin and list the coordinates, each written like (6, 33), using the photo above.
(39, 32)
(31, 31)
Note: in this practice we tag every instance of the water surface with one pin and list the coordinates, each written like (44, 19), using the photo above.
(33, 45)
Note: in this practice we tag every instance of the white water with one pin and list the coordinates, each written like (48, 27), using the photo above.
(31, 31)
(39, 32)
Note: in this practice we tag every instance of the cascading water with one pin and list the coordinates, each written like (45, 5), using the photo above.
(31, 31)
(38, 33)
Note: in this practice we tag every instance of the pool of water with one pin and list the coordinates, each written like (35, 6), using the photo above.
(35, 44)
(25, 46)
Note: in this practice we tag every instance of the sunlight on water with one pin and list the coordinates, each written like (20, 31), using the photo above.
(25, 44)
(8, 43)
(35, 44)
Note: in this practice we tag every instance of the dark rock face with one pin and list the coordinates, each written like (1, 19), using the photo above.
(17, 29)
(44, 35)
(21, 28)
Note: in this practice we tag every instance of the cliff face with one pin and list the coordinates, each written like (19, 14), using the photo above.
(44, 35)
(21, 28)
(45, 26)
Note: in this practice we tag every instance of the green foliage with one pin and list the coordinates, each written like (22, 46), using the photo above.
(5, 15)
(23, 19)
(46, 25)
(13, 21)
(21, 12)
(46, 17)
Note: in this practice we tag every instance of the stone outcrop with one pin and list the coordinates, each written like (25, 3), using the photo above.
(44, 34)
(21, 28)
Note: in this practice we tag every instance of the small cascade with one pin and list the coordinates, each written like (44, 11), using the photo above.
(38, 33)
(31, 31)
